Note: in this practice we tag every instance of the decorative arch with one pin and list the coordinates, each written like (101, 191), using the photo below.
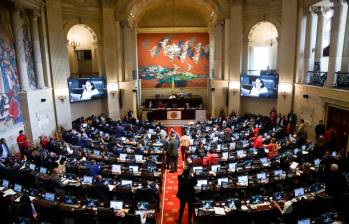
(253, 23)
(92, 28)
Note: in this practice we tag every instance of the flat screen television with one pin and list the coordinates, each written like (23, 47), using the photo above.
(262, 86)
(84, 89)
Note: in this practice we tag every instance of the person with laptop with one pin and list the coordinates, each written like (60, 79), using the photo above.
(186, 193)
(287, 209)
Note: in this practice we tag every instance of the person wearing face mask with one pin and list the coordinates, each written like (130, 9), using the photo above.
(89, 91)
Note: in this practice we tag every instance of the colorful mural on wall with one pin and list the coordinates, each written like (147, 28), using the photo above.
(181, 59)
(28, 48)
(10, 111)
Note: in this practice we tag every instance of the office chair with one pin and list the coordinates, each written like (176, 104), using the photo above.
(131, 219)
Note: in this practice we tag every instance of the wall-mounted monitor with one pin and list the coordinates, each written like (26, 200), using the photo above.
(262, 86)
(84, 89)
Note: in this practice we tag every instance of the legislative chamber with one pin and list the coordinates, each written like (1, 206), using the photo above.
(174, 111)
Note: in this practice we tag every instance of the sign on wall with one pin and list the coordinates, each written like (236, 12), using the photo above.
(179, 59)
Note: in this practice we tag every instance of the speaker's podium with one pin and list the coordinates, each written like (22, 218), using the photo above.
(174, 111)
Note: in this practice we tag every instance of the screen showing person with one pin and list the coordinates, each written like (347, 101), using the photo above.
(89, 91)
(82, 89)
(259, 86)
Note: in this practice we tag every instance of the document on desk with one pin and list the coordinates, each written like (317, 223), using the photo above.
(219, 211)
(244, 207)
(9, 192)
(111, 187)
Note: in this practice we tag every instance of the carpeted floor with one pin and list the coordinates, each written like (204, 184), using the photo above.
(170, 208)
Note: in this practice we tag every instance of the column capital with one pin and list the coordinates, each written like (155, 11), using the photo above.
(320, 10)
(339, 2)
(219, 23)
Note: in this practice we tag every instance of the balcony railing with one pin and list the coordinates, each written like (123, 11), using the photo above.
(342, 80)
(315, 78)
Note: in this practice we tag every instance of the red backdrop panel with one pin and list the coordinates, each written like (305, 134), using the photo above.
(183, 57)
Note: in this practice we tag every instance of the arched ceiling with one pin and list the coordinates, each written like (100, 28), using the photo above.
(172, 13)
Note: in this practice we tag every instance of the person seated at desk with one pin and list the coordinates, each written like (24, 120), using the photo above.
(211, 158)
(100, 189)
(287, 209)
(145, 193)
(55, 183)
(238, 215)
(94, 169)
(135, 217)
(161, 105)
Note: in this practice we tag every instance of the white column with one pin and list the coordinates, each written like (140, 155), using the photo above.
(218, 71)
(319, 35)
(336, 41)
(309, 43)
(226, 50)
(236, 44)
(301, 33)
(345, 56)
(20, 53)
(40, 84)
(245, 55)
(100, 62)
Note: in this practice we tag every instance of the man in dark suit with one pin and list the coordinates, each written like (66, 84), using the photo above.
(319, 129)
(172, 152)
(186, 192)
(4, 151)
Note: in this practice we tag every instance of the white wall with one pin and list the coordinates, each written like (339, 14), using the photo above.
(38, 113)
(87, 108)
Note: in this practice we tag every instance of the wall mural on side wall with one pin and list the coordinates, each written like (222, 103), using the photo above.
(10, 111)
(180, 59)
(28, 48)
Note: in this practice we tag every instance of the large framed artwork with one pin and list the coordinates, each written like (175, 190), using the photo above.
(168, 60)
(10, 111)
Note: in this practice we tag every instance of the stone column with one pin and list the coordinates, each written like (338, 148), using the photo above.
(301, 33)
(319, 35)
(44, 48)
(336, 41)
(110, 56)
(128, 41)
(245, 56)
(236, 44)
(119, 50)
(20, 53)
(309, 43)
(345, 56)
(219, 29)
(226, 55)
(40, 84)
(287, 57)
(59, 63)
(100, 61)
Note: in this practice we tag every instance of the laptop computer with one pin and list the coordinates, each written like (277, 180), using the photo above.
(87, 180)
(43, 170)
(116, 205)
(298, 192)
(243, 180)
(222, 180)
(304, 221)
(126, 182)
(201, 182)
(89, 202)
(206, 204)
(49, 196)
(17, 188)
(143, 206)
(69, 199)
(116, 168)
